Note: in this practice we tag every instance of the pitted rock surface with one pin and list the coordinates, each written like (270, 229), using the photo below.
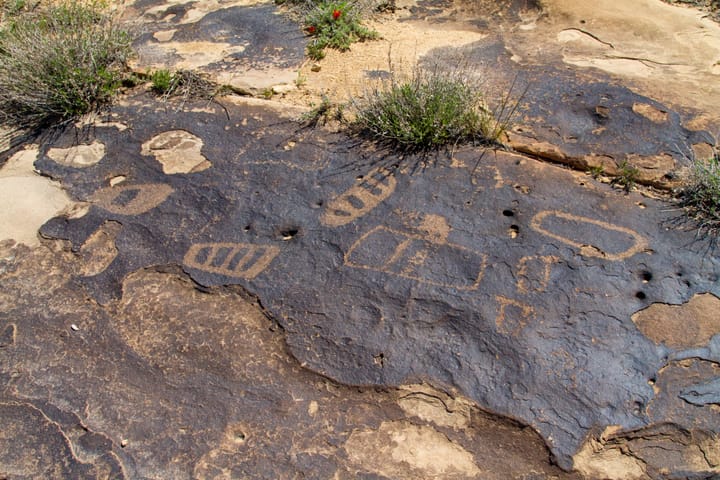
(514, 285)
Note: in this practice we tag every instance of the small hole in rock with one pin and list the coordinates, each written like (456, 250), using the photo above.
(360, 177)
(247, 228)
(513, 231)
(289, 233)
(646, 276)
(508, 213)
(641, 204)
(640, 295)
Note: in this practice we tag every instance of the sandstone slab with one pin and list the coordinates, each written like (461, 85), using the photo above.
(514, 284)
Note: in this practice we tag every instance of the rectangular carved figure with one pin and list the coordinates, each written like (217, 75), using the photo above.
(240, 260)
(417, 258)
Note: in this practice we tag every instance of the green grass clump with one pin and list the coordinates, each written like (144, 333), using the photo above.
(334, 24)
(701, 197)
(627, 176)
(58, 62)
(162, 81)
(432, 109)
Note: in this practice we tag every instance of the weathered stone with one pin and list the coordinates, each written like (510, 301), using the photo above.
(79, 156)
(28, 200)
(248, 47)
(422, 277)
(171, 382)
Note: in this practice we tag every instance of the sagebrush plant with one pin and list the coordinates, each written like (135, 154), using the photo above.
(334, 24)
(433, 108)
(701, 197)
(58, 62)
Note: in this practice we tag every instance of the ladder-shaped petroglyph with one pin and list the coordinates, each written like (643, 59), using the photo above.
(360, 199)
(238, 260)
(513, 315)
(533, 273)
(427, 259)
(131, 199)
(586, 234)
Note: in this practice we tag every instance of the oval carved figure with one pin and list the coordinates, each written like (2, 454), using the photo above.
(131, 199)
(624, 242)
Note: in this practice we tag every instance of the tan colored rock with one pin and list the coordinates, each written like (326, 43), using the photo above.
(78, 156)
(98, 251)
(401, 450)
(178, 151)
(594, 460)
(690, 325)
(432, 405)
(28, 200)
(668, 52)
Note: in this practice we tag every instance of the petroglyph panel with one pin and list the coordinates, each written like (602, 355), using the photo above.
(584, 233)
(131, 199)
(239, 260)
(417, 258)
(360, 199)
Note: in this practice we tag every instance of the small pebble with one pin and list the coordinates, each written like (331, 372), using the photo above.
(123, 443)
(315, 67)
(74, 327)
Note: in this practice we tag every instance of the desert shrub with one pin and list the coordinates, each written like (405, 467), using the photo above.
(701, 197)
(431, 109)
(59, 62)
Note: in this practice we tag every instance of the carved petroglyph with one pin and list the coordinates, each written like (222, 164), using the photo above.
(177, 151)
(131, 199)
(239, 260)
(512, 315)
(360, 199)
(427, 259)
(534, 273)
(99, 250)
(571, 224)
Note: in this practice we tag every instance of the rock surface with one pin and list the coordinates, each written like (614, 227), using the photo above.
(236, 295)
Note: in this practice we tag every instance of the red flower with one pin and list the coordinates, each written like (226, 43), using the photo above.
(310, 29)
(336, 14)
